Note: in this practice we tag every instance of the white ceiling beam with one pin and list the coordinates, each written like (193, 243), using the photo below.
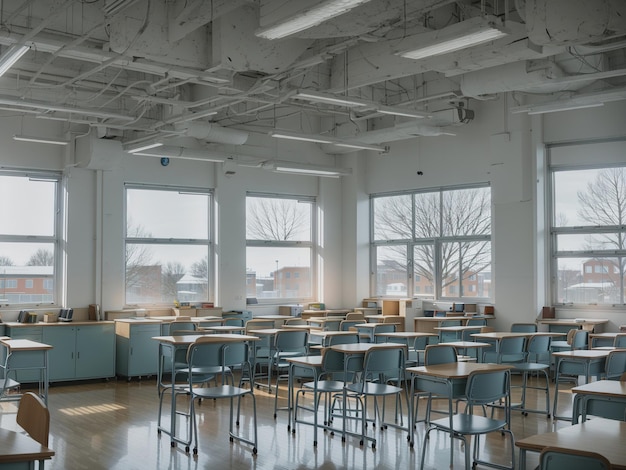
(187, 16)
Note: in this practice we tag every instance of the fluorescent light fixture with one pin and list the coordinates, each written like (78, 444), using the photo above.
(459, 36)
(308, 18)
(322, 139)
(301, 137)
(40, 140)
(306, 169)
(319, 97)
(395, 111)
(353, 102)
(142, 146)
(564, 107)
(9, 59)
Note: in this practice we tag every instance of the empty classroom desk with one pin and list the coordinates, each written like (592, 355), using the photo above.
(607, 398)
(24, 354)
(20, 451)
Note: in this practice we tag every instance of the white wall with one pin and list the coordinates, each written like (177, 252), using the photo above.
(496, 147)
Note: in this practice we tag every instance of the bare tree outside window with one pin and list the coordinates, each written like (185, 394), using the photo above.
(422, 218)
(41, 257)
(171, 273)
(277, 219)
(6, 261)
(138, 256)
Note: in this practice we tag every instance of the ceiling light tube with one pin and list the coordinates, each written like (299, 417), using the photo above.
(320, 139)
(301, 137)
(308, 18)
(318, 97)
(306, 169)
(39, 140)
(563, 107)
(401, 112)
(459, 36)
(361, 146)
(142, 146)
(9, 59)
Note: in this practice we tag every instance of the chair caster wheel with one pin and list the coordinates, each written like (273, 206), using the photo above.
(343, 439)
(332, 433)
(187, 449)
(293, 431)
(254, 451)
(360, 443)
(173, 444)
(274, 415)
(159, 431)
(288, 427)
(232, 439)
(195, 451)
(374, 446)
(314, 443)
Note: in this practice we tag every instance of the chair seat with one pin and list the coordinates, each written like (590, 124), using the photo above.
(370, 388)
(464, 423)
(561, 344)
(530, 366)
(223, 391)
(326, 386)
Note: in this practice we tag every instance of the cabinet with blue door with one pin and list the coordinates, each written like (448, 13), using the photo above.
(80, 351)
(136, 351)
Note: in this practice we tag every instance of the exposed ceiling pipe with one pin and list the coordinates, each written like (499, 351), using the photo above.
(212, 132)
(184, 153)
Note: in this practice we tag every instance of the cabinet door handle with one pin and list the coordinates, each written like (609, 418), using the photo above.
(72, 356)
(78, 355)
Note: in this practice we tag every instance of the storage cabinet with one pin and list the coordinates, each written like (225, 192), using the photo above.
(80, 351)
(136, 351)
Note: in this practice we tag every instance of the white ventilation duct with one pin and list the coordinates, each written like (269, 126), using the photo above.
(512, 77)
(184, 153)
(211, 132)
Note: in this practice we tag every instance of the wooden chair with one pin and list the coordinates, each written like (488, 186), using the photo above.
(34, 417)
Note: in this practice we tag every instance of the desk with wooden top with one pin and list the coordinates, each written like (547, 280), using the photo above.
(593, 325)
(601, 339)
(428, 324)
(446, 380)
(169, 346)
(20, 451)
(603, 436)
(314, 365)
(592, 360)
(604, 398)
(24, 354)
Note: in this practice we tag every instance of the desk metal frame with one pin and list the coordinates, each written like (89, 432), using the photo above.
(24, 354)
(611, 393)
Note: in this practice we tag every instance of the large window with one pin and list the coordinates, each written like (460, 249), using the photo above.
(168, 245)
(280, 247)
(432, 244)
(588, 224)
(29, 238)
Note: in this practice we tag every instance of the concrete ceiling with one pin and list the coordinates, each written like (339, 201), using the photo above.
(154, 69)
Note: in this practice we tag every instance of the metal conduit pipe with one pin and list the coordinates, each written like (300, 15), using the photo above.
(214, 133)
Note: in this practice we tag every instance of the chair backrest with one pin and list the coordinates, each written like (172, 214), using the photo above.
(343, 339)
(539, 344)
(556, 458)
(356, 316)
(615, 364)
(451, 323)
(259, 324)
(524, 328)
(383, 328)
(346, 324)
(487, 386)
(182, 327)
(476, 322)
(291, 341)
(620, 340)
(580, 338)
(387, 361)
(466, 335)
(233, 322)
(34, 417)
(487, 329)
(295, 321)
(513, 345)
(439, 354)
(332, 324)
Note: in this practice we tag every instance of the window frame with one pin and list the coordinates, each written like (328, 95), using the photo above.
(435, 242)
(555, 231)
(56, 239)
(209, 242)
(312, 245)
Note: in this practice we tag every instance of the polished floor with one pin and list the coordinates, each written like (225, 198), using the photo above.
(113, 425)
